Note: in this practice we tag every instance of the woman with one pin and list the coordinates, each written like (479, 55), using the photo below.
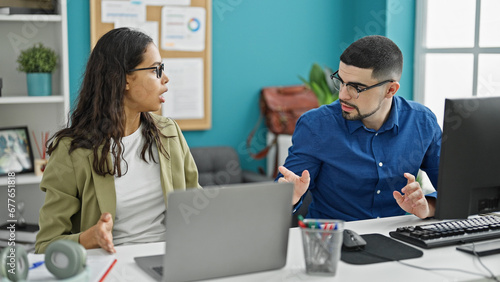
(110, 170)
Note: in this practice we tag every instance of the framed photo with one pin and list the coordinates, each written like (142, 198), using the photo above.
(16, 154)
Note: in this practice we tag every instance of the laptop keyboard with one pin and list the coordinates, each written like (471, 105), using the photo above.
(450, 232)
(159, 270)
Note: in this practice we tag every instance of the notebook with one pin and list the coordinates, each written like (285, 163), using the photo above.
(97, 268)
(223, 231)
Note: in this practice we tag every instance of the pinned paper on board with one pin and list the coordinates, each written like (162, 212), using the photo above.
(128, 11)
(184, 99)
(167, 2)
(183, 28)
(149, 28)
(183, 32)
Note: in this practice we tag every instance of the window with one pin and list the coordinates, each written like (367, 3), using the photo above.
(457, 51)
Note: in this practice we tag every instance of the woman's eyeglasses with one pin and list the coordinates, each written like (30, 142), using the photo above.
(159, 70)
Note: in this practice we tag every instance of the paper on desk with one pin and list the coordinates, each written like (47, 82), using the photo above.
(97, 266)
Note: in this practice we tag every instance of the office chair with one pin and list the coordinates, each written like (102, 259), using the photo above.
(219, 165)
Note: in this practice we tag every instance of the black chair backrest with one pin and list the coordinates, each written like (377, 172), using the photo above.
(217, 165)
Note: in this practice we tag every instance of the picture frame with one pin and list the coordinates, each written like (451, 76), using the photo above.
(16, 154)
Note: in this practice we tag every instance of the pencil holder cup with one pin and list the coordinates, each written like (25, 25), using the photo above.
(40, 166)
(322, 241)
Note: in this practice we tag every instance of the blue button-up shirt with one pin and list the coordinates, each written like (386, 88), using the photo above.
(354, 170)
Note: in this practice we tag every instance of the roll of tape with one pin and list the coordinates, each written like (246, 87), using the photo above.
(14, 263)
(65, 258)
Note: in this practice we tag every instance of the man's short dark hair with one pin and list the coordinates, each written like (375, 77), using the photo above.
(378, 53)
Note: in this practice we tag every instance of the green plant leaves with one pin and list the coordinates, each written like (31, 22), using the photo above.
(37, 59)
(321, 84)
(320, 93)
(316, 74)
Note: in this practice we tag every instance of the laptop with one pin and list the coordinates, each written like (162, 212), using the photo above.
(222, 231)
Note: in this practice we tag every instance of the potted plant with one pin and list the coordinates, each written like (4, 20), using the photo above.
(38, 62)
(321, 84)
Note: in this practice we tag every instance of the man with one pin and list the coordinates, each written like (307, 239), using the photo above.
(358, 156)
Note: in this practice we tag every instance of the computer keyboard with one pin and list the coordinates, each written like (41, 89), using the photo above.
(158, 269)
(447, 233)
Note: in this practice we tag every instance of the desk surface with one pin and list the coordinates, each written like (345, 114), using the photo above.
(446, 257)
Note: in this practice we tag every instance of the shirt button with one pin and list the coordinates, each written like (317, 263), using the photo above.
(378, 191)
(380, 164)
(376, 134)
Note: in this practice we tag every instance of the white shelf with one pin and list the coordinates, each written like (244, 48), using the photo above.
(32, 99)
(32, 18)
(38, 113)
(21, 179)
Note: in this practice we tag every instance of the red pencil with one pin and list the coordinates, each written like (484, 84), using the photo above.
(107, 271)
(36, 142)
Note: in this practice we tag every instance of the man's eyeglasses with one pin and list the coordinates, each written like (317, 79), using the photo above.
(159, 70)
(353, 88)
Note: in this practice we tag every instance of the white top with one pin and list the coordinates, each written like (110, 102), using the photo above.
(140, 208)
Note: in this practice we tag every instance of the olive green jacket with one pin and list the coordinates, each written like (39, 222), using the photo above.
(76, 195)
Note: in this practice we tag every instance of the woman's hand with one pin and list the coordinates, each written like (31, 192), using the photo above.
(99, 235)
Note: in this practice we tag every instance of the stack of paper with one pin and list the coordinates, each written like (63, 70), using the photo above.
(24, 236)
(97, 268)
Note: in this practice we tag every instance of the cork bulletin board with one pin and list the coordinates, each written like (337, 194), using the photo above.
(154, 14)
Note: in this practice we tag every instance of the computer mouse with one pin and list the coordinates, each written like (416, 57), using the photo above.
(352, 240)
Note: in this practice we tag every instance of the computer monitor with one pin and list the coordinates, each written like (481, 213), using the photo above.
(469, 169)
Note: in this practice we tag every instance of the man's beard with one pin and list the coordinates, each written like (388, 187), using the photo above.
(359, 116)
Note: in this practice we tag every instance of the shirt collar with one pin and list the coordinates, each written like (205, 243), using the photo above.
(391, 123)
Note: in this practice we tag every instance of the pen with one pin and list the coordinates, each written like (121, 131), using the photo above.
(36, 264)
(302, 224)
(301, 221)
(330, 226)
(318, 225)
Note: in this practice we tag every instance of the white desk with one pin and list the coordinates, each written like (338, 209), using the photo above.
(446, 257)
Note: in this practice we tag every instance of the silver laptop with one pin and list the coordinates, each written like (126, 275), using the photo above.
(223, 231)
